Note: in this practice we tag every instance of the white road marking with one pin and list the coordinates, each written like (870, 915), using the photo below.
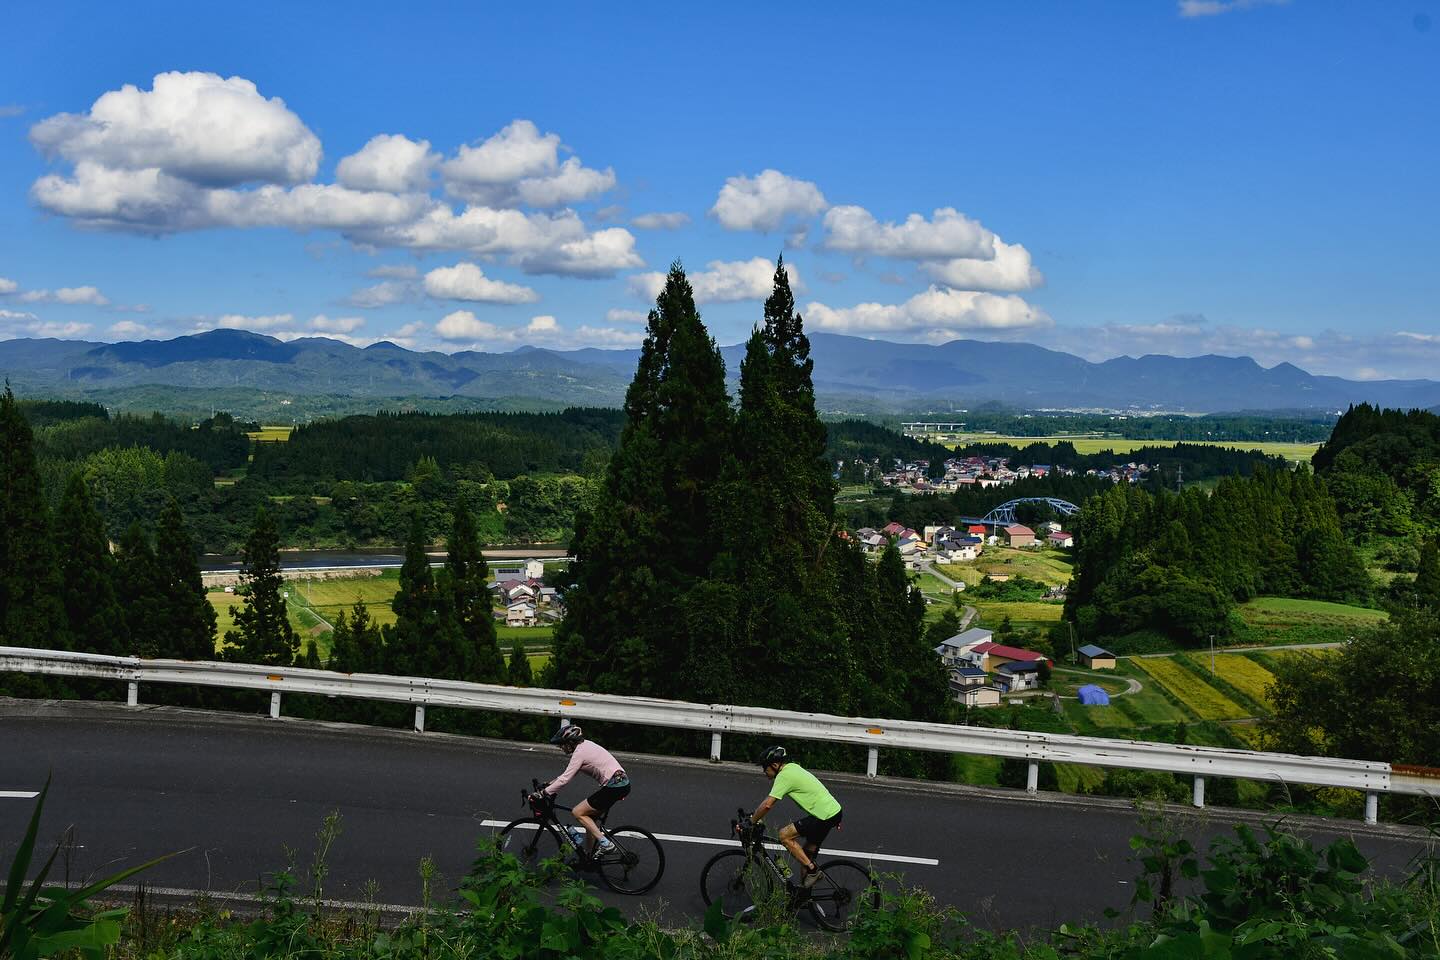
(18, 794)
(720, 842)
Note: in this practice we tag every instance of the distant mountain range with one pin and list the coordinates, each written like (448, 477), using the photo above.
(851, 374)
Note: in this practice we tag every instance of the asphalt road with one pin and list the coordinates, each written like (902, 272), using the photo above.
(138, 783)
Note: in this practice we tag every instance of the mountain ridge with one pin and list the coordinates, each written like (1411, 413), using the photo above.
(875, 373)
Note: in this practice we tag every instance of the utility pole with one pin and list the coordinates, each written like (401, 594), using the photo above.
(1073, 657)
(1212, 654)
(1179, 477)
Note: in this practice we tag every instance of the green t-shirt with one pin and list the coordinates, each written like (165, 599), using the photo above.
(801, 785)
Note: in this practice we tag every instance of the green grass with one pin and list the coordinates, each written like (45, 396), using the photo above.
(1289, 611)
(271, 434)
(933, 586)
(1022, 615)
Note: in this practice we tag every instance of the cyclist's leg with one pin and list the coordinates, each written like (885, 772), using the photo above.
(790, 836)
(585, 816)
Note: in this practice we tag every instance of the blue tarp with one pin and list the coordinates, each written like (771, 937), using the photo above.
(1092, 696)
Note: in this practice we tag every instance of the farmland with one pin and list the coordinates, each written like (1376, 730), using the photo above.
(271, 434)
(1088, 444)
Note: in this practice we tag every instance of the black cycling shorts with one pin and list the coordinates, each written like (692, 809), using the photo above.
(607, 796)
(815, 830)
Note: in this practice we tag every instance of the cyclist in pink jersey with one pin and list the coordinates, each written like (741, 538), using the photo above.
(591, 759)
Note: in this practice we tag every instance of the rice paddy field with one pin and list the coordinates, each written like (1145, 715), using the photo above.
(1087, 444)
(271, 434)
(314, 604)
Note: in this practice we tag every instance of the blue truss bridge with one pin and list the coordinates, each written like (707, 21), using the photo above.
(1004, 515)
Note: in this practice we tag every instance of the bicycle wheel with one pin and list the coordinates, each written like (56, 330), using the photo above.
(738, 882)
(531, 843)
(635, 865)
(837, 895)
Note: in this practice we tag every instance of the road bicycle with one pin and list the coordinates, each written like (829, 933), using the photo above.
(634, 866)
(744, 881)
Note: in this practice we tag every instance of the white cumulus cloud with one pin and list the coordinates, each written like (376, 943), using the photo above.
(464, 325)
(1009, 269)
(389, 162)
(661, 221)
(947, 235)
(236, 321)
(934, 315)
(8, 286)
(129, 329)
(86, 295)
(466, 281)
(723, 282)
(1213, 8)
(617, 315)
(336, 324)
(381, 294)
(197, 127)
(520, 164)
(765, 201)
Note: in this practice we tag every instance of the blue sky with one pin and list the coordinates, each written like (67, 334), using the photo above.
(1246, 178)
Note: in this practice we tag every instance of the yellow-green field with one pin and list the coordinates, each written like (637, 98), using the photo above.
(1296, 452)
(1207, 702)
(271, 434)
(1242, 673)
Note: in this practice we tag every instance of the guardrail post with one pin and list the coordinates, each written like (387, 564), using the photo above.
(1199, 795)
(1032, 777)
(419, 718)
(275, 705)
(714, 746)
(1372, 807)
(872, 763)
(132, 694)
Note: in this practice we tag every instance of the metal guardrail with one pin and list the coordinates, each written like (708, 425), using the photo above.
(1372, 778)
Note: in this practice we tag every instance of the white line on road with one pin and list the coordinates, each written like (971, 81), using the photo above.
(720, 842)
(17, 794)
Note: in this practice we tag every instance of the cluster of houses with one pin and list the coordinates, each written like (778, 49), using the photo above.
(944, 544)
(523, 597)
(982, 671)
(966, 473)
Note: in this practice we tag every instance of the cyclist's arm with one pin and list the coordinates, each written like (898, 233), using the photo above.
(763, 809)
(571, 768)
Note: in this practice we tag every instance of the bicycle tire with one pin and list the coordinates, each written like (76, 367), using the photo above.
(628, 868)
(532, 843)
(843, 886)
(739, 882)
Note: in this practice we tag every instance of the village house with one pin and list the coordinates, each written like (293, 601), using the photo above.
(1018, 675)
(1096, 658)
(955, 652)
(993, 655)
(977, 696)
(1061, 539)
(1019, 535)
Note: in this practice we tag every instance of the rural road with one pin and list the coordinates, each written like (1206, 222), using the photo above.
(139, 782)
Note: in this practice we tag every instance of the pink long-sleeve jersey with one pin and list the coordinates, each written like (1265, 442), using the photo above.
(589, 758)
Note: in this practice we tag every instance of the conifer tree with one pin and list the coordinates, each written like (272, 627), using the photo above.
(519, 673)
(1427, 576)
(355, 643)
(471, 601)
(191, 629)
(88, 574)
(142, 592)
(649, 537)
(31, 611)
(425, 639)
(262, 633)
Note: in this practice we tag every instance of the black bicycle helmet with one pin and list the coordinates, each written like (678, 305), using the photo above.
(568, 734)
(772, 755)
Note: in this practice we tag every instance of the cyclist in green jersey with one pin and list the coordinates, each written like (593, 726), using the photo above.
(822, 811)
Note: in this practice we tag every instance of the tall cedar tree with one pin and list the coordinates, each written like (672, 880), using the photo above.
(467, 571)
(356, 645)
(648, 539)
(89, 574)
(142, 593)
(191, 631)
(262, 631)
(424, 640)
(31, 611)
(1427, 577)
(519, 673)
